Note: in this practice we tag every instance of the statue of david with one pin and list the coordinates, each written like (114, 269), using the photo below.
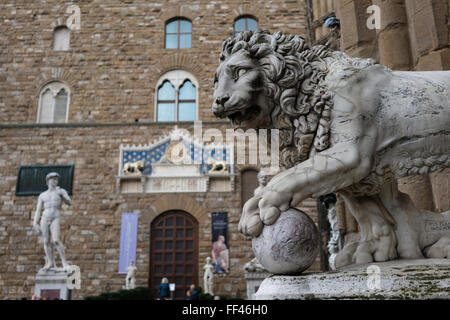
(49, 226)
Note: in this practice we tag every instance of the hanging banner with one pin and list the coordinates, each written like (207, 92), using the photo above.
(220, 249)
(128, 238)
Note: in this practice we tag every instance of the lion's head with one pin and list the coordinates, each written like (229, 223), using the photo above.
(239, 92)
(274, 81)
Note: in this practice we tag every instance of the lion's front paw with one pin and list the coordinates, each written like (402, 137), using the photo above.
(250, 223)
(251, 226)
(272, 204)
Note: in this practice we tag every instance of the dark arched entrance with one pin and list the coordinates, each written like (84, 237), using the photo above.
(174, 252)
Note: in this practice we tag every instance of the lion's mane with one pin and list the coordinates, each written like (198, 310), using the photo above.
(294, 75)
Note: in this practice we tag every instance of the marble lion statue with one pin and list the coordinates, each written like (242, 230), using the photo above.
(346, 125)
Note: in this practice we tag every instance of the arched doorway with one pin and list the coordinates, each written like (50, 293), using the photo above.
(174, 252)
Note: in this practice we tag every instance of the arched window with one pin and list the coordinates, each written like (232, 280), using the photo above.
(176, 97)
(178, 34)
(245, 23)
(53, 103)
(61, 38)
(249, 182)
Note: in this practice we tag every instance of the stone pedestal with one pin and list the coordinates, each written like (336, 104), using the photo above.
(52, 284)
(254, 280)
(398, 279)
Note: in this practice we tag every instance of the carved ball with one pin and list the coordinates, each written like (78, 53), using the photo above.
(290, 245)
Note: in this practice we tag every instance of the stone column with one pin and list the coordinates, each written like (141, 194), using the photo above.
(429, 33)
(419, 189)
(316, 16)
(440, 184)
(330, 5)
(393, 37)
(347, 223)
(356, 39)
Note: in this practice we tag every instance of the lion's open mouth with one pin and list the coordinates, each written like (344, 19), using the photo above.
(245, 115)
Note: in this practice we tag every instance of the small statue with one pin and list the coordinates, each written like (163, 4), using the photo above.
(217, 167)
(263, 178)
(254, 225)
(208, 276)
(49, 227)
(130, 281)
(335, 243)
(133, 168)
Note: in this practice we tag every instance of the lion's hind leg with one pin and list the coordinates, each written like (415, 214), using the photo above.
(378, 241)
(441, 249)
(250, 223)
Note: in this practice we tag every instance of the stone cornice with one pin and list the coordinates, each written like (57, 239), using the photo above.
(104, 124)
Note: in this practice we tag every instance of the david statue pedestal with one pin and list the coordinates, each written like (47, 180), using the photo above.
(52, 281)
(348, 126)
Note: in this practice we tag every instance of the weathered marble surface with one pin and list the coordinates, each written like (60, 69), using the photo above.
(290, 245)
(399, 279)
(348, 125)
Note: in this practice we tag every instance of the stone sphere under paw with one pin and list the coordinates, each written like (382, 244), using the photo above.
(290, 245)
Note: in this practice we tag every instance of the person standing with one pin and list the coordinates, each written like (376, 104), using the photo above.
(194, 292)
(164, 289)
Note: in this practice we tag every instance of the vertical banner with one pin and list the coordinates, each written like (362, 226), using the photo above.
(128, 238)
(220, 249)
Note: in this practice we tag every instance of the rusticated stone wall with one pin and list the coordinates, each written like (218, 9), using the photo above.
(117, 56)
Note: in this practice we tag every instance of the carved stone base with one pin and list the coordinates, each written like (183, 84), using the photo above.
(398, 279)
(52, 284)
(254, 280)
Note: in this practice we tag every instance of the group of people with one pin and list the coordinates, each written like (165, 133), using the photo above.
(164, 291)
(191, 294)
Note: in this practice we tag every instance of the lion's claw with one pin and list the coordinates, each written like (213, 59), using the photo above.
(269, 215)
(260, 211)
(254, 226)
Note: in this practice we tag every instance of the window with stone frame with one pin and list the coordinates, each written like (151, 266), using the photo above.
(61, 38)
(176, 93)
(245, 23)
(178, 34)
(53, 103)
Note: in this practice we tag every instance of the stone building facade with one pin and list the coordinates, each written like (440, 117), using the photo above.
(110, 68)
